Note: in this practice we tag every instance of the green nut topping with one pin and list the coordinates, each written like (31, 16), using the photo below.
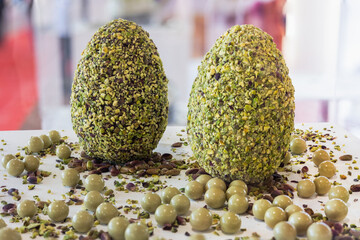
(241, 107)
(119, 104)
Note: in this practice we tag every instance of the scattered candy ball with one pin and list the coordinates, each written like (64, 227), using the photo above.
(150, 201)
(320, 156)
(259, 208)
(297, 146)
(105, 212)
(58, 211)
(274, 215)
(181, 204)
(284, 231)
(15, 167)
(336, 209)
(215, 197)
(82, 221)
(306, 188)
(194, 189)
(92, 200)
(32, 163)
(201, 219)
(230, 223)
(6, 159)
(26, 208)
(54, 136)
(322, 185)
(319, 231)
(117, 227)
(339, 192)
(301, 221)
(70, 177)
(94, 182)
(165, 214)
(36, 144)
(327, 169)
(63, 151)
(136, 231)
(168, 193)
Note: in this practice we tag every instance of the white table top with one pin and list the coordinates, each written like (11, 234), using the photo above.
(15, 140)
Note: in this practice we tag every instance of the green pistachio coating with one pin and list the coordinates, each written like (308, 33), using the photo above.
(119, 104)
(241, 107)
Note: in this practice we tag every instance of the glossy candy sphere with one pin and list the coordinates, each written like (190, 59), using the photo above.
(82, 221)
(117, 227)
(150, 201)
(58, 211)
(201, 219)
(105, 212)
(230, 223)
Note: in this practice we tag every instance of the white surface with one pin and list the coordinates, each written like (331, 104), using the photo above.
(17, 139)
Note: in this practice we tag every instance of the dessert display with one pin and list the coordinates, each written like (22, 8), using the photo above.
(90, 202)
(240, 171)
(241, 107)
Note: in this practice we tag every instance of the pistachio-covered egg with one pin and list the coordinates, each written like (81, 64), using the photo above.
(241, 107)
(119, 104)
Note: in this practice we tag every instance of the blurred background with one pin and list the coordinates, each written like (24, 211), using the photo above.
(41, 42)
